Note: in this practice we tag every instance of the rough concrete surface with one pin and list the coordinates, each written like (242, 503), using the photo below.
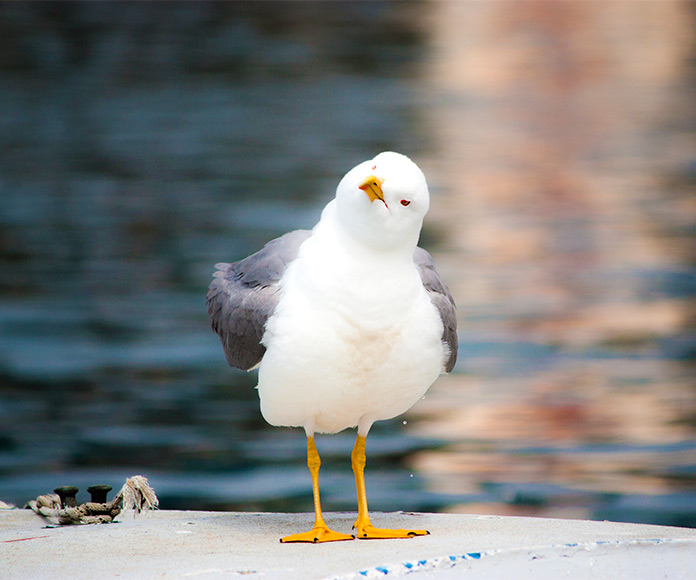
(203, 545)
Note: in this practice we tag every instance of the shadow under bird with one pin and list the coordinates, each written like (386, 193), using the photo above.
(348, 323)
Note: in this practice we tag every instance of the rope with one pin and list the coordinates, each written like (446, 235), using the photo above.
(136, 494)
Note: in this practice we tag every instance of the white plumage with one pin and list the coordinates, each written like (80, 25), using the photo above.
(354, 337)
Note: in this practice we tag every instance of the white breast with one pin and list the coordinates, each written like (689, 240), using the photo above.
(354, 339)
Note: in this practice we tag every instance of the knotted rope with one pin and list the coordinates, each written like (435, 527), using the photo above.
(136, 494)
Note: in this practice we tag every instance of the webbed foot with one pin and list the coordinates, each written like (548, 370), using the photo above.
(369, 532)
(316, 535)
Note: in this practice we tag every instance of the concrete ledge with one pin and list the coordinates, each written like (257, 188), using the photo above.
(203, 545)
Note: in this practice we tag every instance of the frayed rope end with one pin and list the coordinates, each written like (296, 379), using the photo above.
(137, 495)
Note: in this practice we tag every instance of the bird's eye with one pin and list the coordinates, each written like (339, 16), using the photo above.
(405, 202)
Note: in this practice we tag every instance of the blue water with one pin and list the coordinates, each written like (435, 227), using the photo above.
(142, 143)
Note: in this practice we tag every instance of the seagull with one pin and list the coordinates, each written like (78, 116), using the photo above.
(348, 323)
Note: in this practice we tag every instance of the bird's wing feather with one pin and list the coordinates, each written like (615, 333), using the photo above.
(244, 294)
(443, 301)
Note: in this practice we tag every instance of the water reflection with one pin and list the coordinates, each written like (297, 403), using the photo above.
(143, 143)
(567, 174)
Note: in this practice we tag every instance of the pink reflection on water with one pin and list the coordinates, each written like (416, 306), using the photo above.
(563, 145)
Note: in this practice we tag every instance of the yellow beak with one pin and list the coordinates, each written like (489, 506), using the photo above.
(372, 186)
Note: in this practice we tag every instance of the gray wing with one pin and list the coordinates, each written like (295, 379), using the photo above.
(244, 294)
(443, 301)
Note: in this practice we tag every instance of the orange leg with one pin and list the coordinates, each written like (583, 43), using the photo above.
(320, 532)
(365, 529)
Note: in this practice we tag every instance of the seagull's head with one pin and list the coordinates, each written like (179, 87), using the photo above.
(382, 201)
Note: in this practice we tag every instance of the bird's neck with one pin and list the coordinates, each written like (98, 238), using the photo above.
(345, 276)
(332, 232)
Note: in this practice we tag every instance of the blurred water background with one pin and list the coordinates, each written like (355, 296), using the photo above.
(140, 143)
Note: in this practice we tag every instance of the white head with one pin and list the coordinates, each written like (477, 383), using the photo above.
(382, 202)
